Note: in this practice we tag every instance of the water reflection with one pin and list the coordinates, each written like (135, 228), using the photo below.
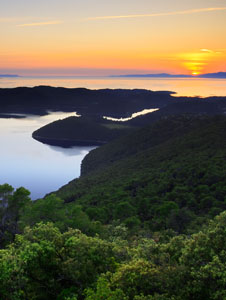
(73, 151)
(137, 114)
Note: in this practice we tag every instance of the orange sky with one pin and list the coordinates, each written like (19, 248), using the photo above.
(56, 37)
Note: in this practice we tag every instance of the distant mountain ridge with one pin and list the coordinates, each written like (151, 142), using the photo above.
(213, 75)
(9, 75)
(158, 75)
(167, 75)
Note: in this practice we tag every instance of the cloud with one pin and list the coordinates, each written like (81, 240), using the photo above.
(40, 24)
(173, 13)
(207, 50)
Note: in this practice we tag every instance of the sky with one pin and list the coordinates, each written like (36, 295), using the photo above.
(109, 37)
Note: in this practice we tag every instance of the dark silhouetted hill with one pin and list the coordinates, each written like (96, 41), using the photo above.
(96, 131)
(80, 131)
(115, 103)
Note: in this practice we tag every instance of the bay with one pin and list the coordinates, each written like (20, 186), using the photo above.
(38, 167)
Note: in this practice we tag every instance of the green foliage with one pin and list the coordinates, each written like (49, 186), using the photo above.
(123, 210)
(52, 209)
(43, 263)
(12, 207)
(184, 268)
(103, 291)
(168, 175)
(205, 257)
(49, 209)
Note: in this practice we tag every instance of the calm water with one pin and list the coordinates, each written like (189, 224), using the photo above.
(41, 168)
(183, 87)
(38, 167)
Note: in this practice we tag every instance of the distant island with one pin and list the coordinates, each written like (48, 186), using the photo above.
(166, 75)
(9, 75)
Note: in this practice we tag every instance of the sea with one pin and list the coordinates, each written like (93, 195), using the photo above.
(43, 169)
(181, 86)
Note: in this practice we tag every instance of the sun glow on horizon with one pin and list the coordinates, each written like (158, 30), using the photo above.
(144, 37)
(197, 63)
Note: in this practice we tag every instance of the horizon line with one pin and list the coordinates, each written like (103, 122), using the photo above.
(108, 75)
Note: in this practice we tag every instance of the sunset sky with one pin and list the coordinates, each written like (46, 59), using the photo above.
(104, 37)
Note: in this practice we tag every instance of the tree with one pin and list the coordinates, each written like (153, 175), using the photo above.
(12, 206)
(44, 264)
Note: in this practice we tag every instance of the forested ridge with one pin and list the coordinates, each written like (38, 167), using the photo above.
(167, 175)
(93, 105)
(145, 221)
(81, 131)
(93, 129)
(40, 100)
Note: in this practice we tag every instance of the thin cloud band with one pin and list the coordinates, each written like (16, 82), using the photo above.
(184, 12)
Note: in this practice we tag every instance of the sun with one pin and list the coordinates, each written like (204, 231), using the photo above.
(196, 62)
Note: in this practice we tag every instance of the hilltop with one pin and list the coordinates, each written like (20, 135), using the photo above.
(80, 131)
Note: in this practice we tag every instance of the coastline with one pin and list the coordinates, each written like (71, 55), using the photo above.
(67, 143)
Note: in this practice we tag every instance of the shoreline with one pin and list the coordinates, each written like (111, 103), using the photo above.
(67, 143)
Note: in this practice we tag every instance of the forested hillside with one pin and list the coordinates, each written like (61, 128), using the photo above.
(145, 221)
(168, 175)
